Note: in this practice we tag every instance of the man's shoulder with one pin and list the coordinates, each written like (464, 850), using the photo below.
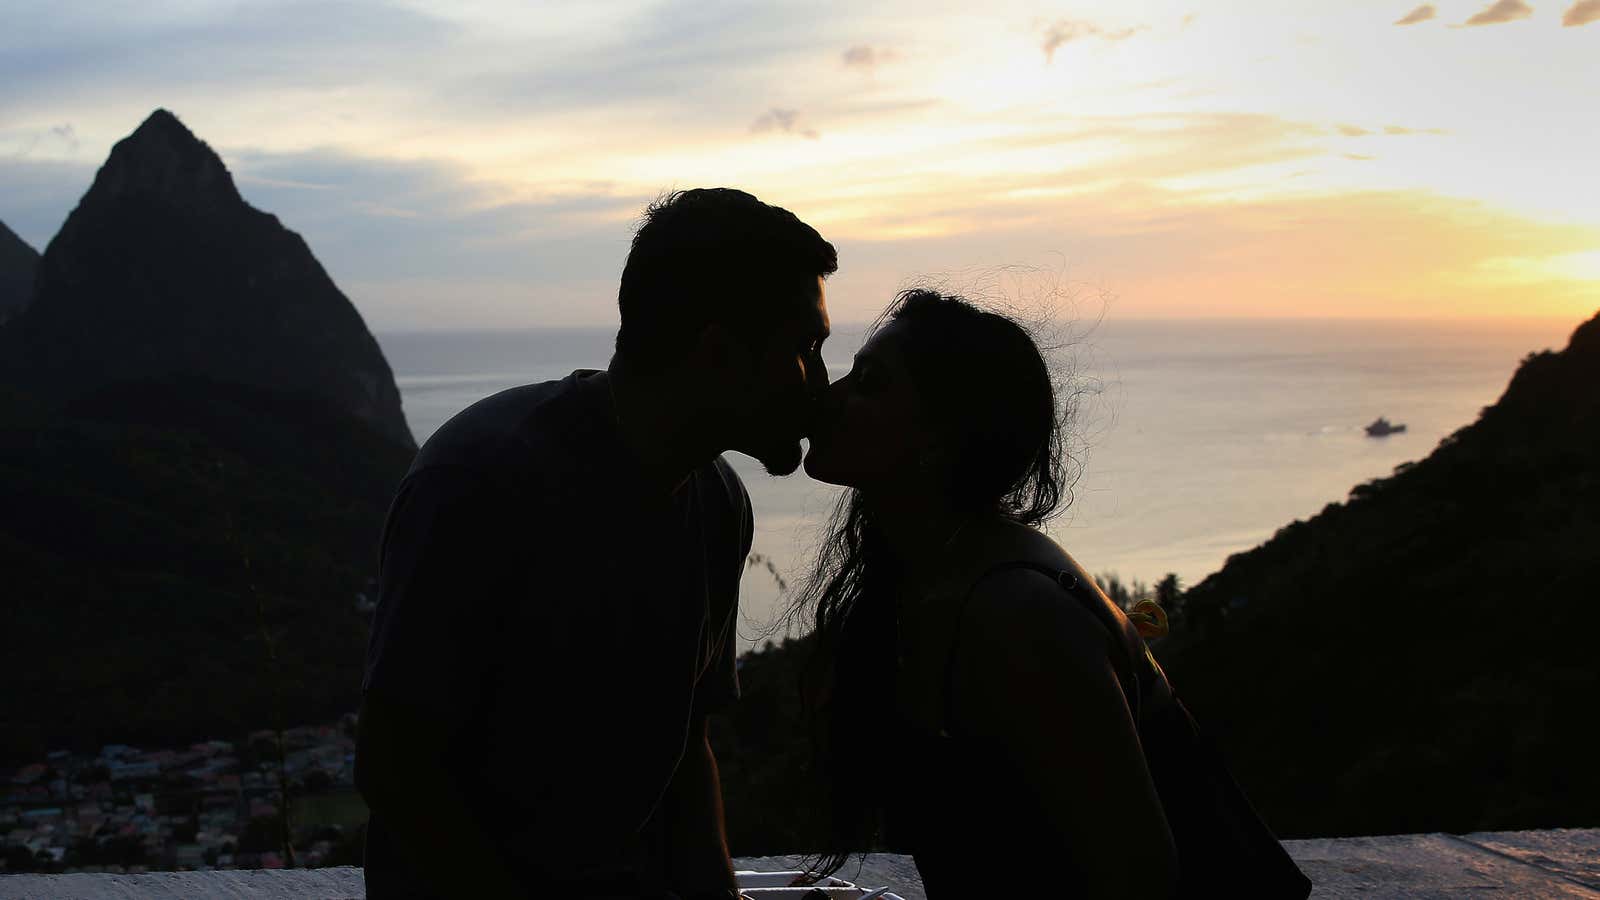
(723, 493)
(519, 428)
(727, 504)
(729, 482)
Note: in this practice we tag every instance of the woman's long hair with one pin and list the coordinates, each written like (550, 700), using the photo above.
(987, 389)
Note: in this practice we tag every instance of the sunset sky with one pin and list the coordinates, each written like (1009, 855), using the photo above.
(479, 162)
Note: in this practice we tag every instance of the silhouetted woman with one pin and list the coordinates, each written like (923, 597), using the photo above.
(977, 698)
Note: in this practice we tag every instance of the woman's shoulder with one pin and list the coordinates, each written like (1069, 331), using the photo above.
(1026, 644)
(1016, 602)
(1026, 614)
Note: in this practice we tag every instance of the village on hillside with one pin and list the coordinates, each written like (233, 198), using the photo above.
(216, 804)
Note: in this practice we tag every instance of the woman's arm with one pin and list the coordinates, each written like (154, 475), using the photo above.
(1033, 673)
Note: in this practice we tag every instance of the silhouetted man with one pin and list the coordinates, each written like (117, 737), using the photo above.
(560, 576)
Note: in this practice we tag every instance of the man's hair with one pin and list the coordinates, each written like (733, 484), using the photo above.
(712, 255)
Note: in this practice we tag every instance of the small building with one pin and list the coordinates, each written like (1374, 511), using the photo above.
(189, 856)
(30, 773)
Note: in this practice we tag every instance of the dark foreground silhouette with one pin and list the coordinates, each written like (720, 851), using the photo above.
(1411, 647)
(558, 600)
(1409, 661)
(975, 696)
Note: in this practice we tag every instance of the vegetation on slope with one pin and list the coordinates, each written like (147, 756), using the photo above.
(1414, 659)
(137, 554)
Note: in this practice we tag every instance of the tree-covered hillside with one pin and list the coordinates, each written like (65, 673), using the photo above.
(137, 555)
(1417, 658)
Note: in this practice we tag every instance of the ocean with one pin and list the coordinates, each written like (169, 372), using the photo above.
(1194, 439)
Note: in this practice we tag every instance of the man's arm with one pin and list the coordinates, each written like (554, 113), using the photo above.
(427, 665)
(696, 835)
(402, 776)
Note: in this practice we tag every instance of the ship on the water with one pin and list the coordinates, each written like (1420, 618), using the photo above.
(1382, 427)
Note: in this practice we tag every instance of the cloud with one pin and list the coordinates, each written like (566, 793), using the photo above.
(260, 47)
(1403, 130)
(1162, 146)
(450, 66)
(67, 135)
(372, 218)
(1502, 11)
(784, 120)
(1167, 252)
(680, 61)
(1355, 131)
(1421, 14)
(1065, 31)
(1582, 13)
(866, 57)
(55, 142)
(1361, 157)
(424, 242)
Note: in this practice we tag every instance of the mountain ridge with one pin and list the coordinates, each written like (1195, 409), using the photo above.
(19, 263)
(180, 277)
(199, 440)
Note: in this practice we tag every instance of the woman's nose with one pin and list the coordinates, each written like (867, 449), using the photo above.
(831, 397)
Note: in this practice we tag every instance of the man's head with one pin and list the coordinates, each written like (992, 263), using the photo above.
(726, 293)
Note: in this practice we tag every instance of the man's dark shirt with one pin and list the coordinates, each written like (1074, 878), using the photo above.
(561, 618)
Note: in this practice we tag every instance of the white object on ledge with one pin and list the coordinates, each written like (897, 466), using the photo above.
(774, 885)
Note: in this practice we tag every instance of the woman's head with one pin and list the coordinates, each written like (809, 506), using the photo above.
(948, 397)
(944, 397)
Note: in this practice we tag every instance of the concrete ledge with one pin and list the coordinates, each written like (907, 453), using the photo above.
(1523, 864)
(343, 883)
(1442, 865)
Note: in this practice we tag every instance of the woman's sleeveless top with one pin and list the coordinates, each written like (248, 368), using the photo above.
(968, 819)
(975, 827)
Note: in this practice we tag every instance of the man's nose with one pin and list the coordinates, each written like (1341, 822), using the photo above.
(826, 399)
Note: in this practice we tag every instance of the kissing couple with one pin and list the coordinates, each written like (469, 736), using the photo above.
(558, 604)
